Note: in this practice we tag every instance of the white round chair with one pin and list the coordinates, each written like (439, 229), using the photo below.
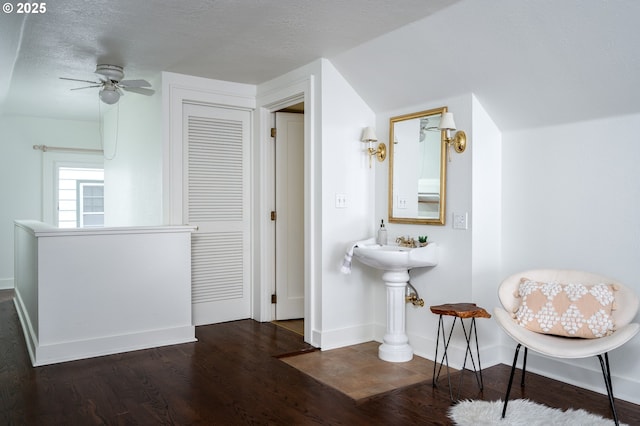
(566, 347)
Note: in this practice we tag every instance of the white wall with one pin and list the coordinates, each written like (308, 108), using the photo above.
(486, 224)
(347, 309)
(571, 199)
(133, 160)
(21, 171)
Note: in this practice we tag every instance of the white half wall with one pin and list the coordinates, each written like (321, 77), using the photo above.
(82, 293)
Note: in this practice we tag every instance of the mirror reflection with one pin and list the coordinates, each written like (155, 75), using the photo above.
(417, 168)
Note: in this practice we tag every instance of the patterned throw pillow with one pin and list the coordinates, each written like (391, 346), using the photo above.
(571, 310)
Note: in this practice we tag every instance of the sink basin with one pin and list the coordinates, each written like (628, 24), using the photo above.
(396, 261)
(395, 258)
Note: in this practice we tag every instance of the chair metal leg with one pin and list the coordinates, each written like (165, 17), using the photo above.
(513, 370)
(606, 372)
(524, 366)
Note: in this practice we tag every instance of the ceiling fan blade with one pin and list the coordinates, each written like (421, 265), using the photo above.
(75, 79)
(86, 87)
(134, 83)
(140, 90)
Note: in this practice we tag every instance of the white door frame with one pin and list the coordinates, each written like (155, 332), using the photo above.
(302, 91)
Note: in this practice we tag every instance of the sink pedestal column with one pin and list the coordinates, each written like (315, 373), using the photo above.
(395, 346)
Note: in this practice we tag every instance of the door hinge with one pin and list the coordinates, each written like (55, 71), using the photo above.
(274, 215)
(274, 298)
(273, 132)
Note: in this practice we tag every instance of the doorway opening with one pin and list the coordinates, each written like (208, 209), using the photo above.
(289, 242)
(295, 325)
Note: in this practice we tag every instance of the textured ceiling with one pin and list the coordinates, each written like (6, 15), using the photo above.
(248, 41)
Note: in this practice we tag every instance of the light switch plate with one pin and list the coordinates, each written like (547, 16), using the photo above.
(341, 201)
(460, 221)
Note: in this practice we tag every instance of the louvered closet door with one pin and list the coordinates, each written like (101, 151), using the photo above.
(217, 201)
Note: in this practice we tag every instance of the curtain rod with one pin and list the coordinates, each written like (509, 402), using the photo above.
(45, 148)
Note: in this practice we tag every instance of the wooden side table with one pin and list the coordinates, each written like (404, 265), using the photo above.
(461, 311)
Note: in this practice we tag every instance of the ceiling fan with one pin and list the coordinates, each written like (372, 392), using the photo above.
(111, 82)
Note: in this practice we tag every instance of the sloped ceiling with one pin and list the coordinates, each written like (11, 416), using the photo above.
(245, 41)
(529, 62)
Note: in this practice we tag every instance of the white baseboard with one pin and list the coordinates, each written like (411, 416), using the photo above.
(6, 283)
(29, 333)
(585, 374)
(348, 336)
(70, 351)
(425, 347)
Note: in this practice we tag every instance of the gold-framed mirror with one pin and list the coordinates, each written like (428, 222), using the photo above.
(417, 168)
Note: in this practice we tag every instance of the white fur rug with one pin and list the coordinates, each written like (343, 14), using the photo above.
(520, 412)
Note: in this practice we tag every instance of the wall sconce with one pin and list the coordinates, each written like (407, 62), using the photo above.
(459, 139)
(369, 135)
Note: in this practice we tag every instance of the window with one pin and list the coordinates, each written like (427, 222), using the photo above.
(90, 206)
(80, 197)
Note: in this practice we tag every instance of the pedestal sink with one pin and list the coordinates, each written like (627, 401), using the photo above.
(396, 262)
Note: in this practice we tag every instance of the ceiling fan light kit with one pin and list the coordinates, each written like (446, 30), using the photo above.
(109, 95)
(111, 82)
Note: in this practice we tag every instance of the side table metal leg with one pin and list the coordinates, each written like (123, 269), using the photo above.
(435, 359)
(445, 357)
(468, 335)
(475, 331)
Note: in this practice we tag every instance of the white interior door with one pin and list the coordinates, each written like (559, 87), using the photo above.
(290, 215)
(217, 201)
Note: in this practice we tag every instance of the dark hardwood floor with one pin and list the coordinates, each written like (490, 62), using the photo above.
(231, 376)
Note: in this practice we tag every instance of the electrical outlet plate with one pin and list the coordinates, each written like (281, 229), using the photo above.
(460, 221)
